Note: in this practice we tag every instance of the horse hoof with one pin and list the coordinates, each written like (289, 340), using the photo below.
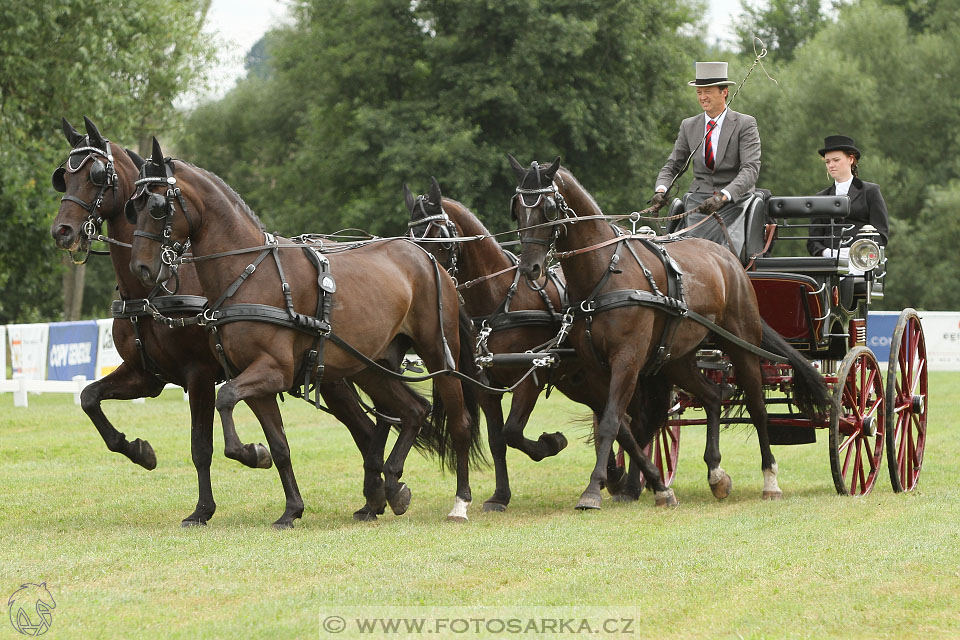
(400, 500)
(363, 514)
(456, 518)
(589, 501)
(490, 506)
(722, 488)
(625, 497)
(555, 442)
(283, 525)
(192, 522)
(264, 459)
(144, 455)
(665, 499)
(773, 495)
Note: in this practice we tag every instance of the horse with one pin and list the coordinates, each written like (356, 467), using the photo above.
(627, 331)
(515, 319)
(381, 297)
(97, 179)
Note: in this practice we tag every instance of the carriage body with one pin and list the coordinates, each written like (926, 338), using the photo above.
(821, 307)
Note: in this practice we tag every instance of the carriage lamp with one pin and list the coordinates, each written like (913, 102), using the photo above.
(865, 252)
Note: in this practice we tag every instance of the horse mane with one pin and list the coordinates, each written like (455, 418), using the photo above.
(220, 182)
(565, 177)
(470, 213)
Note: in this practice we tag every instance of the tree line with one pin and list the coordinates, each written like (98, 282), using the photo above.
(353, 98)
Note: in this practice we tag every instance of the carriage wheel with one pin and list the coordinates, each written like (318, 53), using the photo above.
(906, 402)
(664, 450)
(857, 423)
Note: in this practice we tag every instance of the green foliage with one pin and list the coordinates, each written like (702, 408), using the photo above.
(782, 25)
(368, 94)
(121, 64)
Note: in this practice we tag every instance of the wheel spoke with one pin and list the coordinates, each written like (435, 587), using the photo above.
(857, 466)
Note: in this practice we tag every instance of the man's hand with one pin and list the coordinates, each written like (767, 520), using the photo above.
(713, 203)
(658, 200)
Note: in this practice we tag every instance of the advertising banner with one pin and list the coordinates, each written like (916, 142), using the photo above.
(880, 326)
(941, 330)
(28, 349)
(73, 350)
(108, 358)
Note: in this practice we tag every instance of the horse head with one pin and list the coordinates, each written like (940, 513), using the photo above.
(429, 225)
(161, 234)
(95, 184)
(537, 209)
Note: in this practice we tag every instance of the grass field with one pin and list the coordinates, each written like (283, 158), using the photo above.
(104, 534)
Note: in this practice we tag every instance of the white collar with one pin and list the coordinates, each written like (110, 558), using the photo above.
(719, 119)
(843, 187)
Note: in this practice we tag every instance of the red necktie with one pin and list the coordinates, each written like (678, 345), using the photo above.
(708, 146)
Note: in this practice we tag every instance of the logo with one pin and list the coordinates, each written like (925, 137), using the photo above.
(30, 607)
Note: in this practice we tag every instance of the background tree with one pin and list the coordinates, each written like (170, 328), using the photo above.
(365, 95)
(122, 65)
(783, 25)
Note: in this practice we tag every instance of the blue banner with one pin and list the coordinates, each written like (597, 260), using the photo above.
(880, 327)
(72, 350)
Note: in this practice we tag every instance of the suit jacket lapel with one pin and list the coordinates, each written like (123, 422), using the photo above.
(854, 193)
(694, 133)
(730, 122)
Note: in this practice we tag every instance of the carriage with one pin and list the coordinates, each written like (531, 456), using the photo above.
(820, 305)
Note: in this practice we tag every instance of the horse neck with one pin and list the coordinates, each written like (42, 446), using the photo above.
(221, 224)
(479, 258)
(583, 271)
(119, 229)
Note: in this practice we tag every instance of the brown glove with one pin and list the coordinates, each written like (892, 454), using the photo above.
(658, 200)
(713, 203)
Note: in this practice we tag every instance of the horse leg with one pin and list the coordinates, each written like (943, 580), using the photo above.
(412, 410)
(640, 464)
(124, 383)
(344, 406)
(750, 380)
(258, 386)
(549, 444)
(493, 412)
(649, 406)
(201, 394)
(687, 375)
(459, 427)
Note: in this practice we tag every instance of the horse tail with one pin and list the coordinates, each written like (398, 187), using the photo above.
(810, 392)
(440, 434)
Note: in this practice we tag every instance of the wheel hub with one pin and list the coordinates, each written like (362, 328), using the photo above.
(869, 427)
(917, 404)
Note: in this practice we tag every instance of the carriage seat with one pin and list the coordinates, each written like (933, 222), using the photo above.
(744, 221)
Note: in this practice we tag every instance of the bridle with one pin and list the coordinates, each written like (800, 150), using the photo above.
(445, 229)
(163, 209)
(102, 174)
(554, 207)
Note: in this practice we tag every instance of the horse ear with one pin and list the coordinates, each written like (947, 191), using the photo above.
(408, 197)
(517, 167)
(552, 169)
(96, 140)
(435, 195)
(73, 136)
(157, 157)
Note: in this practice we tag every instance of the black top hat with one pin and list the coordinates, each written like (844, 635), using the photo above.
(839, 143)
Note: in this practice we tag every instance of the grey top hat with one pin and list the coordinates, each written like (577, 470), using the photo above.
(711, 74)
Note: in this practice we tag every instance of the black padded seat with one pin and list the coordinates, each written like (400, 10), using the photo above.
(798, 264)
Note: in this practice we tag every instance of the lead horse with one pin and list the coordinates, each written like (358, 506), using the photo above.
(388, 295)
(628, 330)
(97, 179)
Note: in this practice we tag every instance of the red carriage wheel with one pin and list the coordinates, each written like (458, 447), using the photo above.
(664, 450)
(906, 402)
(857, 423)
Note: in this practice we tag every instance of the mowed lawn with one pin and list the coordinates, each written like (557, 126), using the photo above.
(104, 535)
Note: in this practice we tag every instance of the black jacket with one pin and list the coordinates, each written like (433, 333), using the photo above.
(866, 207)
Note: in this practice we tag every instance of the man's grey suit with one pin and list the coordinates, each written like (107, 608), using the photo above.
(737, 163)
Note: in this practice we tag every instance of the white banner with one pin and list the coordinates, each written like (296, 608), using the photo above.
(3, 353)
(941, 330)
(108, 358)
(28, 349)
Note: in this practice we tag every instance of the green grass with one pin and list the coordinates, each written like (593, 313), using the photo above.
(104, 534)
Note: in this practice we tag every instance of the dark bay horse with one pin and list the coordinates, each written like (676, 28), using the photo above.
(388, 295)
(518, 318)
(97, 180)
(619, 333)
